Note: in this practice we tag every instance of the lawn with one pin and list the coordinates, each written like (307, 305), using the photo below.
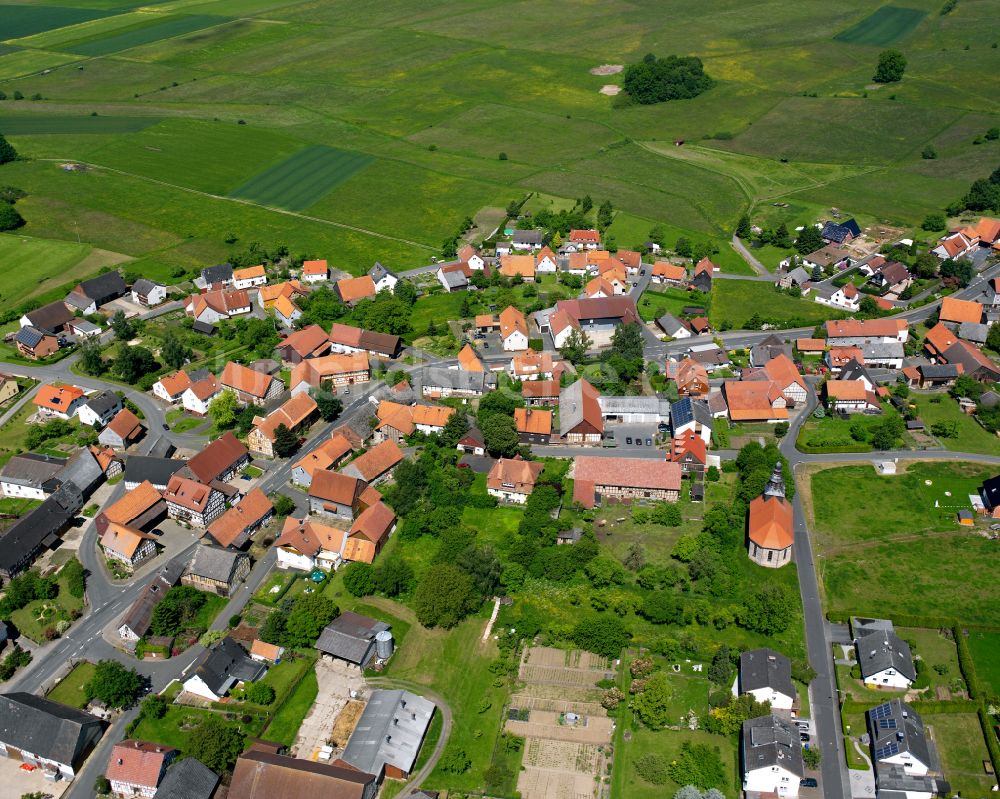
(959, 739)
(935, 650)
(985, 648)
(173, 729)
(433, 308)
(206, 614)
(627, 781)
(69, 690)
(833, 434)
(42, 264)
(284, 725)
(40, 614)
(654, 303)
(874, 550)
(735, 301)
(971, 436)
(886, 25)
(303, 178)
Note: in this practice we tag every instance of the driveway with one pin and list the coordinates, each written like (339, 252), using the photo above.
(336, 681)
(15, 783)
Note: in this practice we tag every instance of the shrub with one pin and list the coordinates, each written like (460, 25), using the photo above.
(653, 768)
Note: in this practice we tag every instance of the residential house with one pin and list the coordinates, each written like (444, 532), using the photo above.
(35, 344)
(213, 568)
(847, 332)
(935, 375)
(545, 261)
(767, 349)
(50, 319)
(127, 545)
(472, 443)
(955, 312)
(295, 414)
(599, 287)
(122, 432)
(846, 297)
(269, 296)
(135, 768)
(30, 476)
(580, 417)
(58, 401)
(351, 639)
(306, 544)
(286, 312)
(146, 292)
(267, 775)
(325, 457)
(345, 338)
(810, 346)
(376, 465)
(938, 341)
(397, 421)
(468, 361)
(136, 622)
(234, 527)
(755, 401)
(470, 255)
(250, 386)
(797, 276)
(953, 245)
(884, 658)
(220, 460)
(309, 342)
(690, 376)
(440, 382)
(850, 396)
(214, 306)
(315, 271)
(989, 491)
(89, 295)
(624, 480)
(263, 652)
(354, 289)
(771, 755)
(39, 529)
(767, 675)
(513, 330)
(334, 494)
(339, 370)
(770, 530)
(139, 508)
(224, 666)
(892, 277)
(534, 425)
(249, 278)
(188, 779)
(389, 734)
(171, 388)
(455, 277)
(45, 734)
(219, 276)
(584, 240)
(836, 358)
(674, 327)
(973, 362)
(832, 255)
(154, 470)
(193, 503)
(690, 452)
(840, 232)
(531, 365)
(782, 371)
(513, 479)
(665, 272)
(597, 318)
(883, 354)
(691, 416)
(369, 533)
(540, 392)
(522, 266)
(905, 764)
(526, 240)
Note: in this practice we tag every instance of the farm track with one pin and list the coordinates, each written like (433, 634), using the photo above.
(296, 214)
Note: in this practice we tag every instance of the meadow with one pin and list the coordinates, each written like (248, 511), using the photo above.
(425, 115)
(985, 648)
(735, 301)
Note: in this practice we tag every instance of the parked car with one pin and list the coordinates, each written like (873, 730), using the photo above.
(808, 782)
(649, 442)
(803, 736)
(166, 426)
(802, 725)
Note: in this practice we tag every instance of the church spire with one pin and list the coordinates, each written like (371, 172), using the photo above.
(776, 485)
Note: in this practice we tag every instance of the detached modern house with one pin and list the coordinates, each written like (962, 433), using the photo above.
(884, 658)
(771, 755)
(221, 668)
(146, 292)
(768, 676)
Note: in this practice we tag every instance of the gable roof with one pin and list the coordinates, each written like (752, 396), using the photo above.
(517, 265)
(249, 511)
(249, 273)
(971, 358)
(375, 462)
(335, 487)
(533, 421)
(175, 383)
(579, 405)
(939, 338)
(213, 563)
(125, 425)
(245, 380)
(188, 493)
(158, 471)
(227, 661)
(292, 413)
(370, 340)
(45, 728)
(217, 458)
(765, 668)
(57, 397)
(317, 267)
(268, 775)
(133, 504)
(389, 732)
(124, 540)
(103, 286)
(137, 762)
(306, 341)
(782, 370)
(879, 650)
(188, 779)
(954, 310)
(309, 537)
(356, 288)
(220, 273)
(468, 360)
(622, 308)
(50, 318)
(540, 388)
(669, 271)
(752, 399)
(894, 727)
(516, 472)
(367, 533)
(628, 472)
(511, 320)
(140, 614)
(769, 741)
(864, 328)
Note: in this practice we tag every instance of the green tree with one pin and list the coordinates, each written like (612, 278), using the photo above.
(781, 237)
(454, 429)
(811, 757)
(406, 292)
(91, 360)
(359, 579)
(309, 615)
(283, 505)
(258, 693)
(134, 362)
(114, 685)
(122, 326)
(574, 349)
(285, 441)
(769, 609)
(393, 575)
(698, 764)
(275, 628)
(178, 608)
(455, 761)
(586, 204)
(743, 227)
(652, 705)
(657, 80)
(891, 66)
(605, 215)
(867, 306)
(809, 240)
(993, 338)
(329, 406)
(666, 513)
(727, 719)
(993, 134)
(720, 671)
(7, 151)
(662, 607)
(929, 153)
(215, 743)
(223, 409)
(154, 706)
(934, 221)
(654, 768)
(75, 577)
(444, 596)
(483, 566)
(173, 351)
(10, 219)
(602, 635)
(499, 434)
(887, 432)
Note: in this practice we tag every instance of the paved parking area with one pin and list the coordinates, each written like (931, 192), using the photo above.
(15, 783)
(336, 681)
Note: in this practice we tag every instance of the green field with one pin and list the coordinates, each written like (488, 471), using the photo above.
(735, 301)
(959, 739)
(893, 544)
(971, 437)
(985, 648)
(34, 265)
(24, 20)
(887, 25)
(142, 32)
(69, 690)
(65, 123)
(303, 178)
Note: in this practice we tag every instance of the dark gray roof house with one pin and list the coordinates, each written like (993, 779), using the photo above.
(973, 331)
(895, 728)
(79, 301)
(221, 273)
(771, 742)
(57, 734)
(853, 370)
(989, 399)
(434, 379)
(840, 232)
(104, 404)
(390, 732)
(672, 326)
(379, 272)
(187, 779)
(766, 670)
(214, 563)
(351, 637)
(531, 238)
(158, 471)
(702, 282)
(767, 350)
(103, 288)
(143, 286)
(51, 318)
(34, 471)
(455, 281)
(879, 649)
(163, 447)
(41, 528)
(135, 623)
(226, 664)
(82, 470)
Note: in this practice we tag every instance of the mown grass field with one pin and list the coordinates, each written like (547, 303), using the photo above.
(985, 648)
(971, 436)
(959, 739)
(893, 544)
(735, 301)
(31, 265)
(887, 25)
(70, 689)
(24, 125)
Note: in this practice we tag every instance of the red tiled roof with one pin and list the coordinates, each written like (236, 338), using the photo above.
(585, 236)
(533, 421)
(810, 344)
(636, 473)
(188, 493)
(847, 390)
(939, 338)
(954, 310)
(135, 503)
(249, 273)
(539, 388)
(137, 763)
(306, 341)
(335, 487)
(865, 328)
(248, 381)
(125, 425)
(56, 397)
(315, 267)
(751, 400)
(356, 288)
(378, 460)
(770, 523)
(310, 537)
(520, 474)
(247, 513)
(217, 458)
(176, 383)
(511, 320)
(669, 271)
(368, 532)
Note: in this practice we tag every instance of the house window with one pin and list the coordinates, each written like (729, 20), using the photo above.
(770, 556)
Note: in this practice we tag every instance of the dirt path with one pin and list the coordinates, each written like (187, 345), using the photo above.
(389, 606)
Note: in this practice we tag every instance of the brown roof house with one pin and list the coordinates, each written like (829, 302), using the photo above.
(369, 532)
(624, 480)
(770, 533)
(375, 465)
(513, 479)
(325, 457)
(122, 431)
(220, 460)
(250, 386)
(349, 339)
(309, 342)
(135, 768)
(305, 544)
(269, 775)
(137, 620)
(137, 509)
(335, 494)
(295, 413)
(234, 527)
(193, 503)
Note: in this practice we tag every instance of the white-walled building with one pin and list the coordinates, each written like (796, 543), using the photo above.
(771, 756)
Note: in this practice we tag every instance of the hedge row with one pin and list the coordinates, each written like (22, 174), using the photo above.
(965, 664)
(924, 707)
(824, 449)
(991, 740)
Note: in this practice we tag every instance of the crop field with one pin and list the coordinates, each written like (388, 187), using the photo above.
(303, 178)
(887, 25)
(67, 124)
(144, 31)
(24, 20)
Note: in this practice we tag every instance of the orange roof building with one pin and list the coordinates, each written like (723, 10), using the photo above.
(315, 271)
(770, 530)
(325, 457)
(306, 544)
(369, 533)
(858, 331)
(376, 464)
(958, 311)
(171, 387)
(534, 425)
(354, 289)
(755, 401)
(127, 545)
(518, 266)
(810, 345)
(57, 400)
(513, 329)
(249, 384)
(293, 414)
(624, 480)
(137, 509)
(135, 768)
(309, 342)
(250, 276)
(513, 479)
(938, 340)
(468, 361)
(664, 271)
(234, 527)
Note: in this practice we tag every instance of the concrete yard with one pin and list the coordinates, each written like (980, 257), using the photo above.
(15, 783)
(336, 681)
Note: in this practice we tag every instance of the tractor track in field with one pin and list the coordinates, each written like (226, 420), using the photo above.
(296, 214)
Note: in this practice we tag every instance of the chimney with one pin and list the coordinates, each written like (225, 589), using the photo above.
(388, 738)
(119, 761)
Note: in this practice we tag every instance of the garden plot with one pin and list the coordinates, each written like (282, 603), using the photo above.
(537, 783)
(565, 693)
(555, 727)
(559, 667)
(527, 702)
(541, 753)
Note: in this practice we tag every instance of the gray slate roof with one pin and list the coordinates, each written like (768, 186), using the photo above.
(896, 728)
(103, 287)
(145, 467)
(226, 661)
(390, 731)
(82, 470)
(41, 527)
(140, 615)
(45, 728)
(377, 272)
(527, 236)
(187, 779)
(221, 273)
(144, 286)
(882, 349)
(973, 331)
(104, 402)
(455, 280)
(50, 318)
(163, 447)
(350, 637)
(213, 563)
(939, 371)
(31, 469)
(879, 650)
(79, 301)
(772, 741)
(765, 668)
(456, 379)
(670, 324)
(856, 371)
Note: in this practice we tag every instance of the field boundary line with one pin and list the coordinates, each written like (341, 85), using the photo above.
(296, 214)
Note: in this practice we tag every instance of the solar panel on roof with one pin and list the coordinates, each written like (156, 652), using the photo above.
(882, 711)
(887, 724)
(887, 751)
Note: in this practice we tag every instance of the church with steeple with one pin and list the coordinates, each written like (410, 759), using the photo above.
(770, 529)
